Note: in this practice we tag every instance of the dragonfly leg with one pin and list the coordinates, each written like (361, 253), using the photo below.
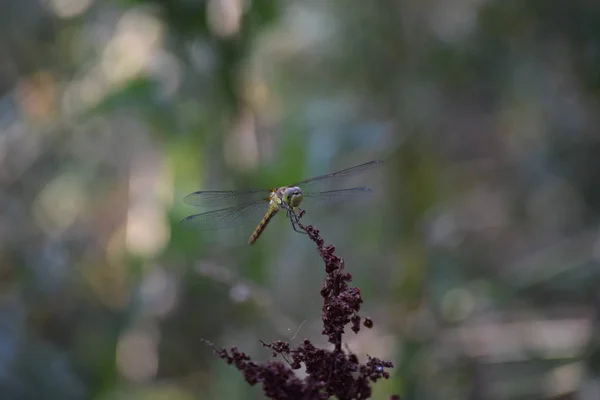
(294, 220)
(297, 230)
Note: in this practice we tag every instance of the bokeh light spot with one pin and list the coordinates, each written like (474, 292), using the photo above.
(69, 8)
(224, 16)
(138, 36)
(457, 304)
(137, 356)
(59, 203)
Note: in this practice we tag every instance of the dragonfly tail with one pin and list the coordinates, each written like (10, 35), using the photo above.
(262, 225)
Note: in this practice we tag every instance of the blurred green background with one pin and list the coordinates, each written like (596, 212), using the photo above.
(478, 256)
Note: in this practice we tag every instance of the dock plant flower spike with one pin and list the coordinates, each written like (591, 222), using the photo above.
(329, 372)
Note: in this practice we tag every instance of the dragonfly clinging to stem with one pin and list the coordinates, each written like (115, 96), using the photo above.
(239, 206)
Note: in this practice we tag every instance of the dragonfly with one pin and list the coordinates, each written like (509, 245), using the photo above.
(237, 207)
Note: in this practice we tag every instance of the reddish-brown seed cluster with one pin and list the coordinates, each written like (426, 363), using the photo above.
(341, 302)
(328, 372)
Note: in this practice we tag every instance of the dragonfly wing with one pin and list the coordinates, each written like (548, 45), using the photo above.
(230, 217)
(336, 196)
(345, 173)
(223, 198)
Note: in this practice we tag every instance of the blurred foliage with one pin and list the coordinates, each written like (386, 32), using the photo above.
(477, 256)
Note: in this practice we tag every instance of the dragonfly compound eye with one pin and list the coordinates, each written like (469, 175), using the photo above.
(296, 197)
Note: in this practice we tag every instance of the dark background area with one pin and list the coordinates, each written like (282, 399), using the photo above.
(478, 255)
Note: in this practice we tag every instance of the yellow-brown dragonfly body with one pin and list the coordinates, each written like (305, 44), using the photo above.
(288, 198)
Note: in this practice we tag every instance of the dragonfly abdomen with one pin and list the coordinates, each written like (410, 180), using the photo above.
(262, 225)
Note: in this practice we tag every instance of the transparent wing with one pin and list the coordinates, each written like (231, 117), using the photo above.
(230, 217)
(345, 173)
(223, 198)
(336, 196)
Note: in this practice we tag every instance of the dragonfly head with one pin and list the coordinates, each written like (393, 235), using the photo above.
(292, 196)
